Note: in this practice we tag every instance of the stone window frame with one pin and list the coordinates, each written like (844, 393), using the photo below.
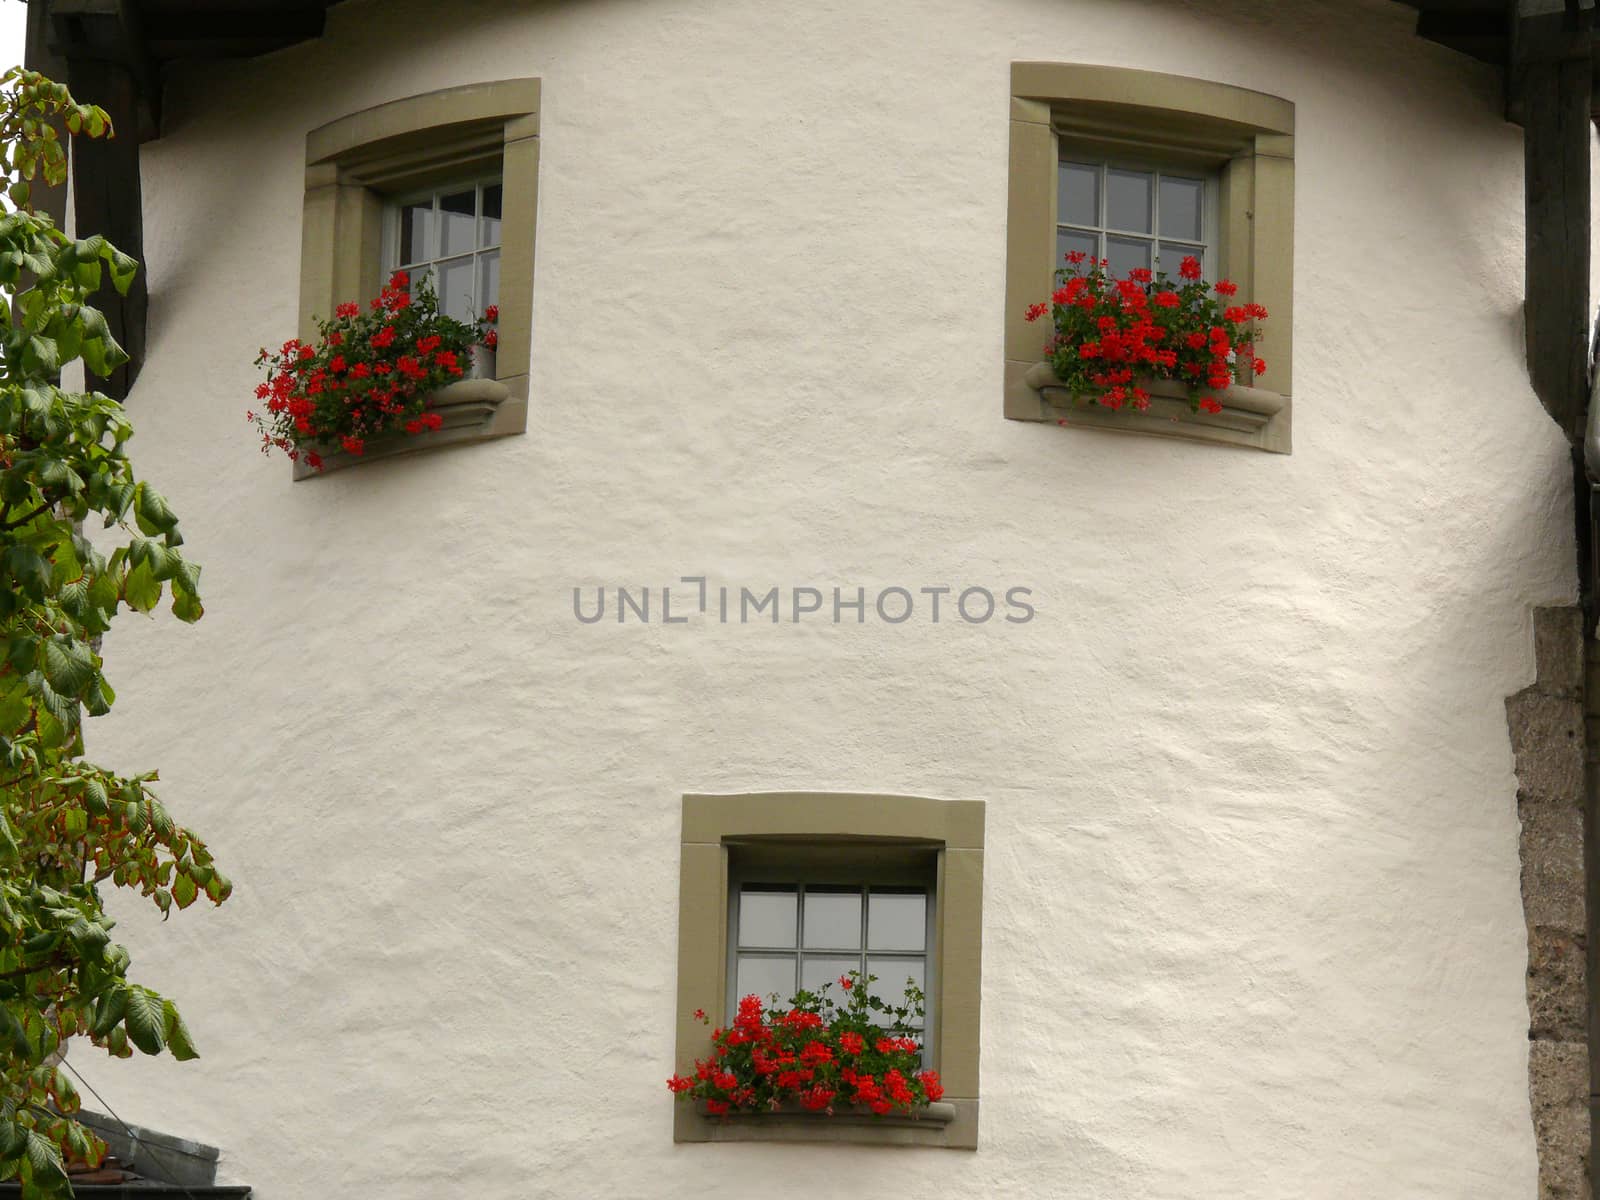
(1247, 136)
(820, 825)
(355, 162)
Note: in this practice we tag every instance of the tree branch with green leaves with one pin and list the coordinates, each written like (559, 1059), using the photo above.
(68, 826)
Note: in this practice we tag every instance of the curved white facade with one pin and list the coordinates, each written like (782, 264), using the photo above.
(1252, 926)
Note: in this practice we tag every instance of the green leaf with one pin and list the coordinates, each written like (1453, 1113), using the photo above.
(109, 1011)
(43, 349)
(184, 890)
(145, 1020)
(65, 1093)
(177, 1033)
(123, 268)
(83, 1144)
(94, 798)
(68, 666)
(23, 651)
(26, 568)
(152, 511)
(142, 590)
(45, 1160)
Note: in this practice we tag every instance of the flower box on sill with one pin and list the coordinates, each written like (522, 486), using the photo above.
(1249, 416)
(929, 1125)
(473, 410)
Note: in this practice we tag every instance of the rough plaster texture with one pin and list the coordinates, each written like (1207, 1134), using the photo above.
(1547, 722)
(1253, 922)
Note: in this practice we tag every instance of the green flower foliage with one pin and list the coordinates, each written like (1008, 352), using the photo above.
(66, 825)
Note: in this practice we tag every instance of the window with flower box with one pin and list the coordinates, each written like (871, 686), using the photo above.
(787, 890)
(1138, 165)
(444, 183)
(804, 920)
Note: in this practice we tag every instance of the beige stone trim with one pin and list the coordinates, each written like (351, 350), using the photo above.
(816, 821)
(1247, 135)
(1555, 731)
(955, 1126)
(513, 103)
(1123, 87)
(1250, 417)
(353, 163)
(474, 410)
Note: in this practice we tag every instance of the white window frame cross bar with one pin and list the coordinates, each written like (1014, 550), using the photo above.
(1204, 250)
(863, 953)
(433, 259)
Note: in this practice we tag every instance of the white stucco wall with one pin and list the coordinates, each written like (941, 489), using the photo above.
(1252, 923)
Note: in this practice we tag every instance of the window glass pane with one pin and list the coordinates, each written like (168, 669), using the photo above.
(1126, 254)
(456, 288)
(416, 226)
(766, 917)
(458, 222)
(419, 274)
(817, 970)
(896, 921)
(488, 280)
(1128, 200)
(892, 973)
(1068, 240)
(765, 977)
(1180, 207)
(489, 231)
(1078, 194)
(832, 920)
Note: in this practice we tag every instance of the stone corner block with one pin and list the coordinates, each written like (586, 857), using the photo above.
(1547, 738)
(1552, 866)
(1558, 649)
(1557, 997)
(1559, 1091)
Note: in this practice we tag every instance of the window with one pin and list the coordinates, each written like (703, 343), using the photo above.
(451, 236)
(786, 934)
(1135, 215)
(780, 889)
(445, 184)
(1137, 167)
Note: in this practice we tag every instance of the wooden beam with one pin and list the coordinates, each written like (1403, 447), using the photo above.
(289, 24)
(37, 56)
(107, 200)
(1481, 35)
(110, 30)
(1556, 98)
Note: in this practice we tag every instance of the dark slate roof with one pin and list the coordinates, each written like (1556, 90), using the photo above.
(164, 30)
(1512, 34)
(145, 35)
(143, 1189)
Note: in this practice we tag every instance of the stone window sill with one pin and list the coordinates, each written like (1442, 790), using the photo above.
(474, 410)
(1250, 417)
(949, 1124)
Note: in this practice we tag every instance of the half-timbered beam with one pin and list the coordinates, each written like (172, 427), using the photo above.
(1550, 85)
(107, 200)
